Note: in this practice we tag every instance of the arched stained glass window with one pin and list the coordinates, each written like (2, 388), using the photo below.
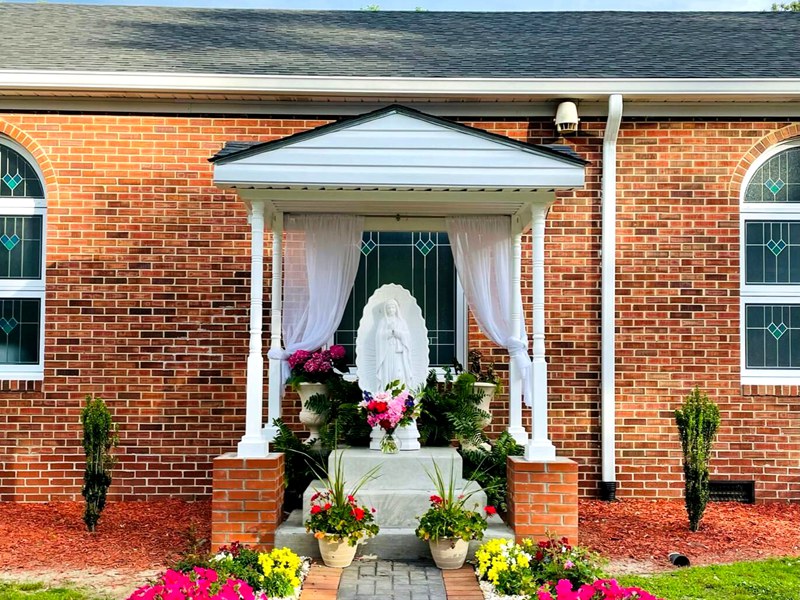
(777, 180)
(18, 178)
(23, 223)
(770, 283)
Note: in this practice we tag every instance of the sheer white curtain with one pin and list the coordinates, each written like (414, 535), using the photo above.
(321, 254)
(482, 253)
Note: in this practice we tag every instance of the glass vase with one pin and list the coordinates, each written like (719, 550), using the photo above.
(389, 444)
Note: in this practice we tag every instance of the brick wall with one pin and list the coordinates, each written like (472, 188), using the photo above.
(148, 283)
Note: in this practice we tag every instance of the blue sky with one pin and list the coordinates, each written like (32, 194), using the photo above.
(499, 5)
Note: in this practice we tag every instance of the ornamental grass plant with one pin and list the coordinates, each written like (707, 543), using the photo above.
(335, 512)
(448, 516)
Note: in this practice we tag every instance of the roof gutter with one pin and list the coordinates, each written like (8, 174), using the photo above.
(44, 80)
(608, 484)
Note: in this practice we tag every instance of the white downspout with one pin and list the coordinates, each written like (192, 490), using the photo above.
(608, 484)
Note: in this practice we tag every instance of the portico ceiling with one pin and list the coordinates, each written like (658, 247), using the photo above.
(397, 161)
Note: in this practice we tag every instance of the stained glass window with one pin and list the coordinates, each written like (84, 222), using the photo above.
(19, 331)
(772, 252)
(21, 247)
(777, 180)
(18, 178)
(772, 337)
(421, 262)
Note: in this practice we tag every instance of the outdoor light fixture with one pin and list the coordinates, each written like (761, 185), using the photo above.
(567, 118)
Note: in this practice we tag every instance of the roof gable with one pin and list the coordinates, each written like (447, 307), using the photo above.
(397, 147)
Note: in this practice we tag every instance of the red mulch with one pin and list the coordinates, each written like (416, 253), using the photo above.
(148, 535)
(729, 532)
(130, 535)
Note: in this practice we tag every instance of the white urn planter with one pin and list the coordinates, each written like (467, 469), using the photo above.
(487, 390)
(449, 553)
(338, 554)
(310, 419)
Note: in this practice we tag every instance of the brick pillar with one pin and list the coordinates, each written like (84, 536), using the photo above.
(247, 500)
(543, 498)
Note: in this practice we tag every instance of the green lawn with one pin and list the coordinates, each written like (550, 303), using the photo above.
(777, 579)
(38, 591)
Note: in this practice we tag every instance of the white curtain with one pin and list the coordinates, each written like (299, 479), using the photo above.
(482, 253)
(321, 254)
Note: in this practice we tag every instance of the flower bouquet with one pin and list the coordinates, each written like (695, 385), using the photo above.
(389, 410)
(337, 520)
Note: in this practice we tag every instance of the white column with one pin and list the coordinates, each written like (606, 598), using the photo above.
(539, 447)
(275, 374)
(515, 428)
(253, 444)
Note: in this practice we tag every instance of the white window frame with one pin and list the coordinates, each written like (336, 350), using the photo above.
(760, 293)
(24, 289)
(461, 320)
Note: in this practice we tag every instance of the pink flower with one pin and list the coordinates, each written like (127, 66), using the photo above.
(569, 564)
(337, 352)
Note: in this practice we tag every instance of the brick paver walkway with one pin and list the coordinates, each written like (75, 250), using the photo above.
(391, 580)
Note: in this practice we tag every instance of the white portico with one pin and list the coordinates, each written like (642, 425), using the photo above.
(396, 169)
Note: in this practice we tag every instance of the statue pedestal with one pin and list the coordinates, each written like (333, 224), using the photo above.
(402, 490)
(400, 494)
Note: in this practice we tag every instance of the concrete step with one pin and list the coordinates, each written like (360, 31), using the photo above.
(392, 543)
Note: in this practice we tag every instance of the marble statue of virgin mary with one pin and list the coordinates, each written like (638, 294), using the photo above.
(392, 341)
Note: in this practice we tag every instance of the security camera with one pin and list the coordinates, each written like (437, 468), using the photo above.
(567, 118)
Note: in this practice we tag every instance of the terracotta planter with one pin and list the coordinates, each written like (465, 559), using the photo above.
(449, 553)
(312, 420)
(338, 554)
(488, 390)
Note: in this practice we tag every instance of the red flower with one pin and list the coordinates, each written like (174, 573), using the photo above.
(327, 506)
(385, 424)
(358, 513)
(490, 510)
(350, 498)
(436, 499)
(373, 510)
(381, 407)
(316, 509)
(371, 405)
(539, 555)
(315, 496)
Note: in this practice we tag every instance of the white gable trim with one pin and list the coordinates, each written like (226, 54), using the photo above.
(397, 150)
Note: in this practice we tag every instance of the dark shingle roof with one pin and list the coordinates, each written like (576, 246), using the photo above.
(400, 44)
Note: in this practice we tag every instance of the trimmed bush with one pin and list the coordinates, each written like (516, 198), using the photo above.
(99, 437)
(698, 421)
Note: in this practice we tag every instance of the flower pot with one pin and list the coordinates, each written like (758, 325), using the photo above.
(312, 420)
(487, 390)
(338, 554)
(449, 553)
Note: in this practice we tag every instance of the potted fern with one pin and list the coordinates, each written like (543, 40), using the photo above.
(448, 525)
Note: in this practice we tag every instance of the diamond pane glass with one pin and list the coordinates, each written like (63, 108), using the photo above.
(21, 247)
(772, 252)
(18, 179)
(19, 331)
(772, 339)
(421, 262)
(777, 180)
